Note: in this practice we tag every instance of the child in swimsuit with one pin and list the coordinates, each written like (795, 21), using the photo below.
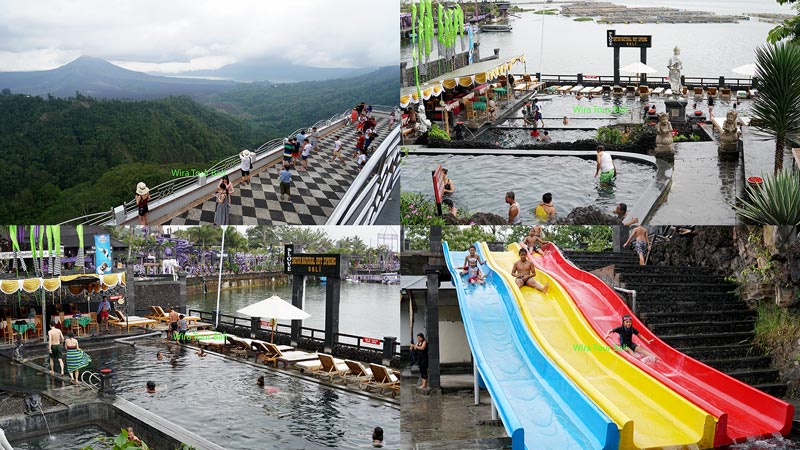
(471, 268)
(626, 332)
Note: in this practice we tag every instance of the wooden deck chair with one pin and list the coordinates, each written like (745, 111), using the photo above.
(658, 91)
(576, 89)
(643, 91)
(725, 93)
(596, 90)
(289, 357)
(356, 372)
(618, 91)
(630, 91)
(157, 313)
(264, 353)
(564, 89)
(132, 321)
(331, 367)
(239, 346)
(712, 91)
(383, 378)
(93, 323)
(698, 92)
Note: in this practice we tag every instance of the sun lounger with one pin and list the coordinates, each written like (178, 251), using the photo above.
(712, 91)
(643, 91)
(158, 314)
(725, 93)
(564, 89)
(239, 346)
(551, 89)
(205, 338)
(274, 354)
(356, 372)
(698, 91)
(576, 89)
(586, 90)
(630, 91)
(132, 321)
(658, 91)
(383, 378)
(325, 366)
(618, 91)
(668, 92)
(596, 90)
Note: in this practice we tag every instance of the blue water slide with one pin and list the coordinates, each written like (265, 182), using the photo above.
(540, 407)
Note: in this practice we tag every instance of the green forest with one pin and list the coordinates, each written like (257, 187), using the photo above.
(64, 158)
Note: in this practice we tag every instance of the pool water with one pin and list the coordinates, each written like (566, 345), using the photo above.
(68, 439)
(514, 137)
(219, 400)
(570, 179)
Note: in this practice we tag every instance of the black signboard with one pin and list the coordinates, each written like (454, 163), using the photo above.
(326, 265)
(617, 40)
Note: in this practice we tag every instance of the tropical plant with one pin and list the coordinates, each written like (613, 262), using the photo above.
(776, 110)
(438, 133)
(775, 202)
(415, 209)
(609, 135)
(789, 29)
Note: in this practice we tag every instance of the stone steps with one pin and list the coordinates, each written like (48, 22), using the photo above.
(720, 316)
(666, 307)
(718, 352)
(699, 297)
(755, 376)
(636, 269)
(701, 329)
(648, 278)
(739, 364)
(695, 340)
(681, 287)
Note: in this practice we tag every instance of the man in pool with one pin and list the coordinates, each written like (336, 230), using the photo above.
(641, 245)
(621, 211)
(626, 332)
(524, 272)
(513, 209)
(151, 387)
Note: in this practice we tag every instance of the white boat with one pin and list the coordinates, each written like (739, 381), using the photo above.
(390, 278)
(495, 27)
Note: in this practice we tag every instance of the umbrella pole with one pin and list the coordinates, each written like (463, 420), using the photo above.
(219, 279)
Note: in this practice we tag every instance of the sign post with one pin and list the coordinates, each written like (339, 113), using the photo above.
(633, 41)
(438, 188)
(332, 266)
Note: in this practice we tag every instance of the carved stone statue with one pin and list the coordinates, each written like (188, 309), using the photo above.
(729, 138)
(424, 123)
(664, 138)
(675, 67)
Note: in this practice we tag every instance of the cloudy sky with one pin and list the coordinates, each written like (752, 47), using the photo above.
(167, 37)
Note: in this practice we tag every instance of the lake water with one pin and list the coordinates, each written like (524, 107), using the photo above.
(365, 309)
(571, 47)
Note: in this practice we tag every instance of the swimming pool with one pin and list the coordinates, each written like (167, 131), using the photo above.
(73, 438)
(514, 137)
(218, 399)
(569, 178)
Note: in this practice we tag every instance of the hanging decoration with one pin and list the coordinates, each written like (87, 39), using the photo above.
(56, 232)
(17, 234)
(80, 257)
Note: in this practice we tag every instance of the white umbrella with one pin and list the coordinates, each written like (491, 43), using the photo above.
(747, 69)
(274, 308)
(638, 67)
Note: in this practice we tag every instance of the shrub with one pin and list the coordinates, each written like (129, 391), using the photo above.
(609, 135)
(415, 209)
(776, 202)
(438, 133)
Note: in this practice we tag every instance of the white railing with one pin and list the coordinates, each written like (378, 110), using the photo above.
(364, 200)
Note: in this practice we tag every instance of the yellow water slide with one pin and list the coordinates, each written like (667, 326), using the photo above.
(649, 415)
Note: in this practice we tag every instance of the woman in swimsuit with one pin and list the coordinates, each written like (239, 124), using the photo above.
(449, 186)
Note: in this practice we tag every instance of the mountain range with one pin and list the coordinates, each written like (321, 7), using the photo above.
(98, 78)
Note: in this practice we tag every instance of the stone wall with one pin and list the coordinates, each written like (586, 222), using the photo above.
(194, 285)
(713, 247)
(166, 293)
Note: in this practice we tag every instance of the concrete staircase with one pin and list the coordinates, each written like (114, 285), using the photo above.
(695, 312)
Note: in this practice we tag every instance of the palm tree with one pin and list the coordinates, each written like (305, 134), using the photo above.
(205, 235)
(776, 110)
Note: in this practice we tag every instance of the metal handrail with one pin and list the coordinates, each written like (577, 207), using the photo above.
(361, 189)
(173, 185)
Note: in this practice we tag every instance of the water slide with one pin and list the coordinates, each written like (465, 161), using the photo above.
(648, 414)
(742, 411)
(539, 406)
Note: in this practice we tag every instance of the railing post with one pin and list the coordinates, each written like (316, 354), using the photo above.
(255, 325)
(388, 349)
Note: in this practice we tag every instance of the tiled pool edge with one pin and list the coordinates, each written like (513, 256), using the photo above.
(643, 208)
(112, 416)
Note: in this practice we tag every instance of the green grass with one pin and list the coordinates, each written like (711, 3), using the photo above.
(549, 12)
(583, 19)
(776, 329)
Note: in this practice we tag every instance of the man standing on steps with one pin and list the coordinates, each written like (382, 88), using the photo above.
(641, 245)
(54, 340)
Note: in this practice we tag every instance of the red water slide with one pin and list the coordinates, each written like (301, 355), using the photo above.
(742, 410)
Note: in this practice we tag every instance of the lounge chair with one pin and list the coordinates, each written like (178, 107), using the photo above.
(586, 90)
(668, 92)
(551, 89)
(576, 89)
(383, 378)
(643, 91)
(596, 90)
(158, 314)
(725, 93)
(356, 372)
(564, 89)
(630, 91)
(712, 91)
(275, 355)
(325, 366)
(132, 321)
(239, 346)
(618, 91)
(658, 91)
(698, 92)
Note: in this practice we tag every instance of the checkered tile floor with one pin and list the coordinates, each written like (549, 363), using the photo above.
(315, 193)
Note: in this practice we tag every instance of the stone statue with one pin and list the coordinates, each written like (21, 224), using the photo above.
(664, 138)
(675, 67)
(424, 123)
(729, 138)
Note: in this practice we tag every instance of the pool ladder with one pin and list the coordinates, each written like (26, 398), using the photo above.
(91, 379)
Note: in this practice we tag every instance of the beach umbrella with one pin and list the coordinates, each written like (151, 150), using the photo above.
(748, 69)
(638, 68)
(274, 308)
